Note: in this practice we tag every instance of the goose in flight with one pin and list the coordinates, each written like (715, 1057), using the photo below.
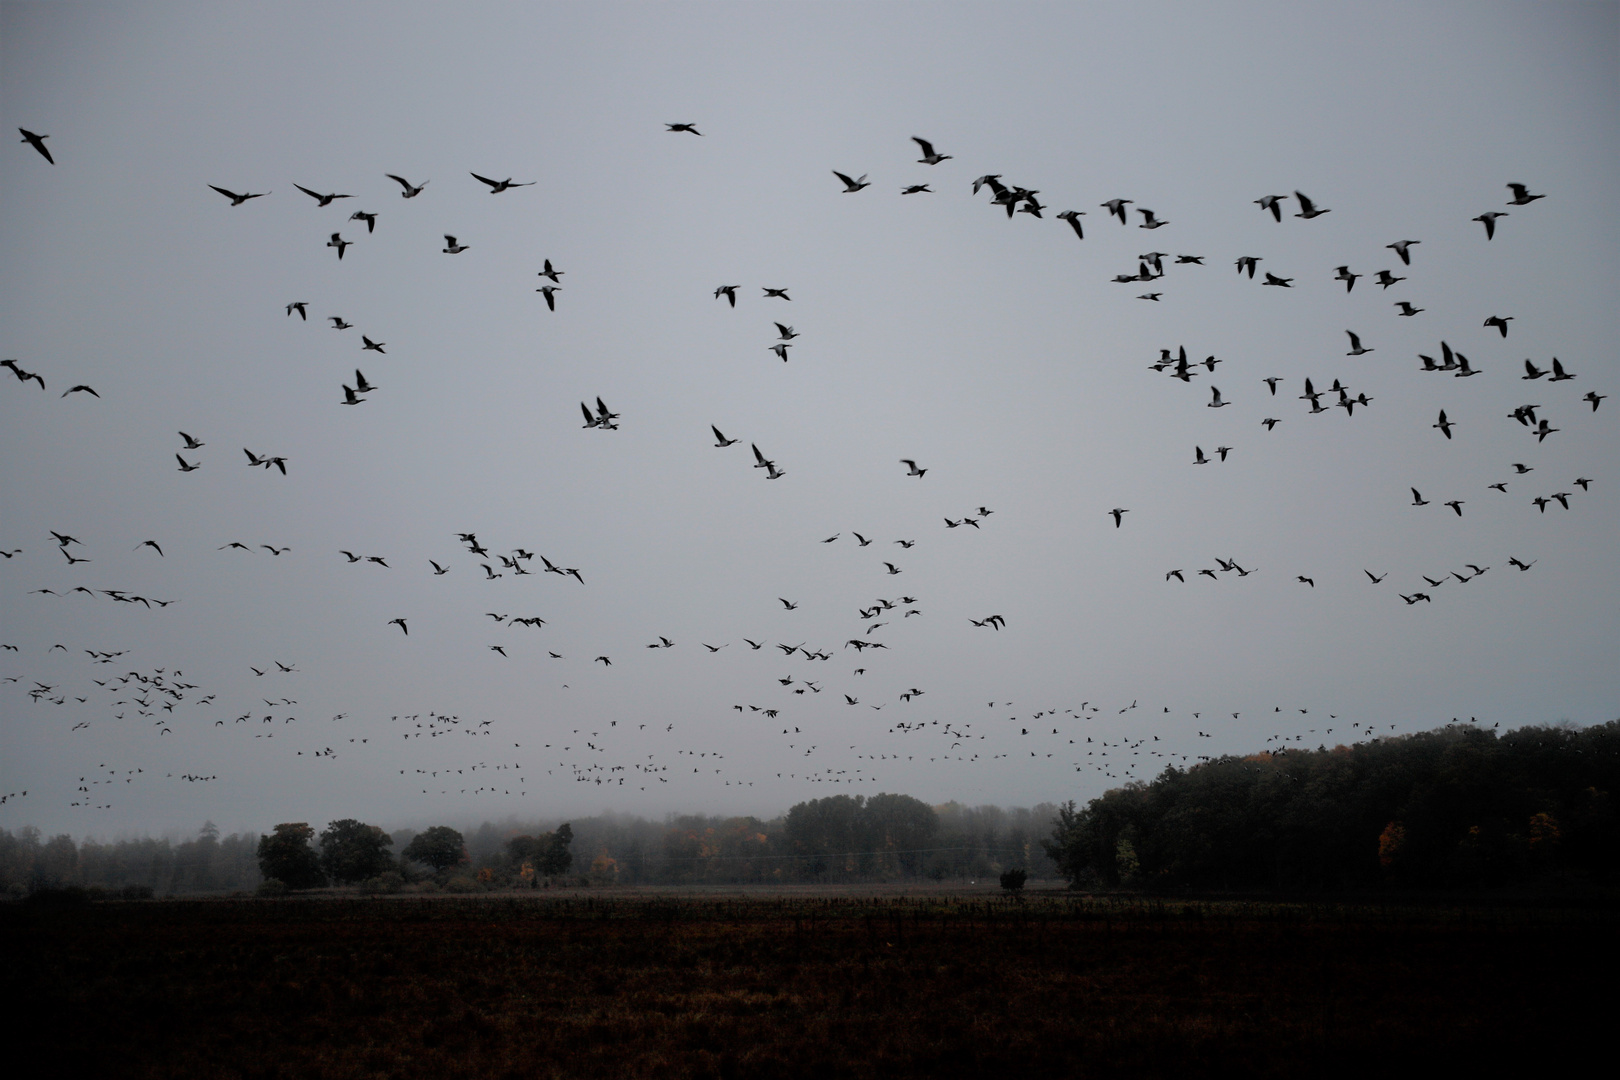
(1247, 262)
(683, 127)
(1347, 277)
(411, 190)
(374, 346)
(780, 349)
(38, 143)
(893, 569)
(729, 292)
(550, 293)
(401, 624)
(719, 439)
(916, 189)
(1488, 219)
(1215, 401)
(1522, 566)
(186, 466)
(360, 384)
(1545, 430)
(338, 242)
(1272, 382)
(453, 248)
(1418, 499)
(1177, 575)
(852, 186)
(1198, 456)
(349, 397)
(1355, 345)
(1270, 422)
(80, 388)
(780, 294)
(1444, 425)
(1386, 279)
(1307, 209)
(1148, 220)
(1272, 203)
(787, 332)
(323, 200)
(1407, 309)
(299, 306)
(929, 156)
(238, 200)
(551, 272)
(790, 605)
(1594, 397)
(1377, 579)
(1521, 196)
(1150, 296)
(911, 467)
(1401, 248)
(1500, 322)
(1115, 207)
(760, 460)
(437, 569)
(1558, 372)
(337, 320)
(153, 544)
(1308, 581)
(1273, 279)
(498, 186)
(1118, 512)
(1457, 505)
(22, 375)
(1073, 218)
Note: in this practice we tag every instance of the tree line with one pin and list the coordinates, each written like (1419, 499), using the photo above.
(837, 839)
(1456, 807)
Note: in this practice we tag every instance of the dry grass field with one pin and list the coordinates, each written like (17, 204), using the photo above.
(793, 984)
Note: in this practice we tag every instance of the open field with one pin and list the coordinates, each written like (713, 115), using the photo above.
(857, 985)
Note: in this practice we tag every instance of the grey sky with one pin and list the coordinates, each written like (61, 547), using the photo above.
(996, 353)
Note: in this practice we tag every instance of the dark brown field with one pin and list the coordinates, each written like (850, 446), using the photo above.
(796, 985)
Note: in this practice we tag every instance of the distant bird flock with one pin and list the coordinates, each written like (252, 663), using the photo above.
(155, 695)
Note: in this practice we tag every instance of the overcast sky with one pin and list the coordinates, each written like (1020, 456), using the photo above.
(998, 354)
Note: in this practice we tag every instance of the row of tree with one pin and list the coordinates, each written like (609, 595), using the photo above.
(1457, 807)
(842, 838)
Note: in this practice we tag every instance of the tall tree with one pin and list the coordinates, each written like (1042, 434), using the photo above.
(354, 851)
(286, 856)
(440, 847)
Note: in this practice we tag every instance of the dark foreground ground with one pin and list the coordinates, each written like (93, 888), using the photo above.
(802, 986)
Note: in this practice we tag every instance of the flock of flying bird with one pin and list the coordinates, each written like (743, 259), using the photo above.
(579, 755)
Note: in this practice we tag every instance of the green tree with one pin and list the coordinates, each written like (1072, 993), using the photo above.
(286, 856)
(354, 851)
(440, 847)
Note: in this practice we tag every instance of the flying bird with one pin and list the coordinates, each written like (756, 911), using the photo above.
(1401, 248)
(401, 624)
(551, 272)
(1407, 309)
(1347, 277)
(338, 242)
(1272, 203)
(1488, 219)
(911, 467)
(684, 127)
(1113, 206)
(1499, 321)
(38, 143)
(1215, 401)
(729, 292)
(369, 219)
(719, 439)
(1521, 196)
(1444, 425)
(453, 248)
(1148, 220)
(299, 306)
(780, 294)
(374, 346)
(929, 156)
(323, 200)
(852, 186)
(80, 388)
(1073, 218)
(411, 190)
(236, 199)
(1307, 209)
(1355, 345)
(550, 293)
(1118, 513)
(498, 186)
